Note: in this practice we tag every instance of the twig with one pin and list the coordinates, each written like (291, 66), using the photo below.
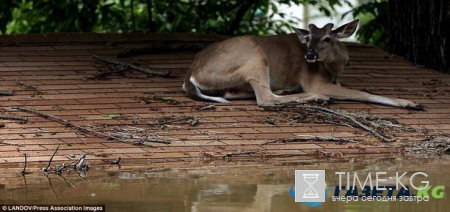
(169, 120)
(109, 73)
(333, 112)
(6, 93)
(432, 95)
(80, 163)
(24, 171)
(29, 87)
(311, 138)
(117, 161)
(361, 125)
(68, 123)
(61, 168)
(241, 153)
(11, 117)
(208, 107)
(154, 141)
(51, 159)
(123, 64)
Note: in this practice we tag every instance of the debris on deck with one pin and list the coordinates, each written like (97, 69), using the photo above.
(55, 95)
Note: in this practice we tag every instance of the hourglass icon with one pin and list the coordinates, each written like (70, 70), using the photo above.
(310, 192)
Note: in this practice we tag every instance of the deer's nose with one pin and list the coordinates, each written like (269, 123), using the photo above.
(311, 54)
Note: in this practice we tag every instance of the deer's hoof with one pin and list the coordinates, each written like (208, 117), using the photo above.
(324, 101)
(419, 107)
(319, 98)
(331, 101)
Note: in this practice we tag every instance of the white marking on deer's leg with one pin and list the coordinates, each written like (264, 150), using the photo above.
(239, 95)
(203, 96)
(391, 101)
(278, 92)
(338, 83)
(342, 93)
(184, 87)
(383, 100)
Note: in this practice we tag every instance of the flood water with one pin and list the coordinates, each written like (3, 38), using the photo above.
(204, 187)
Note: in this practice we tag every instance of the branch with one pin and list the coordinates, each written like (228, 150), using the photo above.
(117, 161)
(311, 138)
(324, 110)
(147, 139)
(24, 171)
(60, 169)
(136, 68)
(79, 162)
(241, 153)
(68, 124)
(105, 74)
(10, 117)
(6, 93)
(51, 159)
(361, 125)
(208, 107)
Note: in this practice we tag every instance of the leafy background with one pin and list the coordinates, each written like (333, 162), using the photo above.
(230, 17)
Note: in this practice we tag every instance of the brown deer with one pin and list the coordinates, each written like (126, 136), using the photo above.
(248, 66)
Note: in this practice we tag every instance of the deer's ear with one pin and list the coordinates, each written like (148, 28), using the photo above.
(302, 34)
(346, 30)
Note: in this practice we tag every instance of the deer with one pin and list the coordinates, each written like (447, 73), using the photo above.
(307, 64)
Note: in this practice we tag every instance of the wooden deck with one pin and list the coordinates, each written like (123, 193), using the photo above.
(50, 73)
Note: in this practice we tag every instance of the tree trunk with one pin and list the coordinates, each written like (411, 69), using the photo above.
(245, 7)
(419, 31)
(7, 8)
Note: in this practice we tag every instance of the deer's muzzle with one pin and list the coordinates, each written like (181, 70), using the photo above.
(311, 55)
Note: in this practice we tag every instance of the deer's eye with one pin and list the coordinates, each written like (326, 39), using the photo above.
(307, 38)
(327, 40)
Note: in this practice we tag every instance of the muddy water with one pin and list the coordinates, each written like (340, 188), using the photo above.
(228, 186)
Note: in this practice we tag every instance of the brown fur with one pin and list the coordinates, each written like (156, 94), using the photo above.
(252, 65)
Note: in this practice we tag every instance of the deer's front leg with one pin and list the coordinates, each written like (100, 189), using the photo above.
(260, 83)
(341, 93)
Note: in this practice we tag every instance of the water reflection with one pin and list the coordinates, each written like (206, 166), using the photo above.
(224, 187)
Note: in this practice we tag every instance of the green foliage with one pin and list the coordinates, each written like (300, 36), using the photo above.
(373, 23)
(6, 13)
(199, 16)
(38, 16)
(236, 17)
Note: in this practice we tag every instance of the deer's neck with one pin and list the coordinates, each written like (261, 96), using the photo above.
(334, 63)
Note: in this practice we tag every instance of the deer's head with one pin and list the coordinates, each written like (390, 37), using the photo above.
(319, 41)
